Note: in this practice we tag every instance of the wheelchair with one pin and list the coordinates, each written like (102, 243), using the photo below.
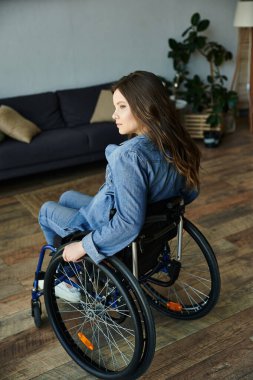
(110, 332)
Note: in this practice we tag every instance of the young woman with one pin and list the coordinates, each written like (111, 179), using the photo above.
(159, 161)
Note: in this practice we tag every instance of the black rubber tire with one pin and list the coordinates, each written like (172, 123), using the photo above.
(148, 324)
(36, 312)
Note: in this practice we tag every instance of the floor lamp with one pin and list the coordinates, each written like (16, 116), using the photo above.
(244, 19)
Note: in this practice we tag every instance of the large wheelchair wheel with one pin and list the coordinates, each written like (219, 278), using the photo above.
(103, 332)
(189, 288)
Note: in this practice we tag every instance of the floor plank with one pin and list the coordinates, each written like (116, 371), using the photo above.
(221, 351)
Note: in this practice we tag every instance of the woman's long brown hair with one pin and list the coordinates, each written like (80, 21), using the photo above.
(150, 103)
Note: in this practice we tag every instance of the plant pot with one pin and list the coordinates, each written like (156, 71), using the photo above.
(212, 139)
(229, 122)
(179, 103)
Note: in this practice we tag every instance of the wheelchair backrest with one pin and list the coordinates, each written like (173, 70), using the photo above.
(160, 226)
(161, 216)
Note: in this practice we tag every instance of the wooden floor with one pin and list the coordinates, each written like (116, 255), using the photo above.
(218, 346)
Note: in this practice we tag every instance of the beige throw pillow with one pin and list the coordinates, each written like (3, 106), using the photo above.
(16, 126)
(104, 108)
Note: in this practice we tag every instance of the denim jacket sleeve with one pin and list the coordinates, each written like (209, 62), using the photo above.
(130, 185)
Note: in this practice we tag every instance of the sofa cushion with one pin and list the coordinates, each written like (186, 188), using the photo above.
(42, 109)
(77, 105)
(16, 126)
(104, 134)
(50, 146)
(104, 108)
(67, 144)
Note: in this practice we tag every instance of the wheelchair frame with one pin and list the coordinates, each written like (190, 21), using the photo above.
(194, 299)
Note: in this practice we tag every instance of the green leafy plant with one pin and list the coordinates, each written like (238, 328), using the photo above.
(210, 93)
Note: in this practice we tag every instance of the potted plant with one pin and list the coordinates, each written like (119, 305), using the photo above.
(207, 97)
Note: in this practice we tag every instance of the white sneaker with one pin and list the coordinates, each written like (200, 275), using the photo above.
(63, 291)
(67, 293)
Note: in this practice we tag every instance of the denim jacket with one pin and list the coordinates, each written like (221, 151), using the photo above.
(137, 174)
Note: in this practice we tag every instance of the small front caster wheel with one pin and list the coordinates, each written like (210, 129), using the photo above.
(36, 313)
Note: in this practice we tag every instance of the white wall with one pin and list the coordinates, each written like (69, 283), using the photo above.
(56, 44)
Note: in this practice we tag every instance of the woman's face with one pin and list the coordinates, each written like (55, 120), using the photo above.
(123, 116)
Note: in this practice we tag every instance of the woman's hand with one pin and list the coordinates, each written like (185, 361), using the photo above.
(73, 252)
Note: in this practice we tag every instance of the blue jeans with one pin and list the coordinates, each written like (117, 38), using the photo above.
(55, 217)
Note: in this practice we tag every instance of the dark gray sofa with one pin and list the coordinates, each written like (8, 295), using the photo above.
(67, 137)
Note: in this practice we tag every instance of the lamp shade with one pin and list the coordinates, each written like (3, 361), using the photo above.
(244, 14)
